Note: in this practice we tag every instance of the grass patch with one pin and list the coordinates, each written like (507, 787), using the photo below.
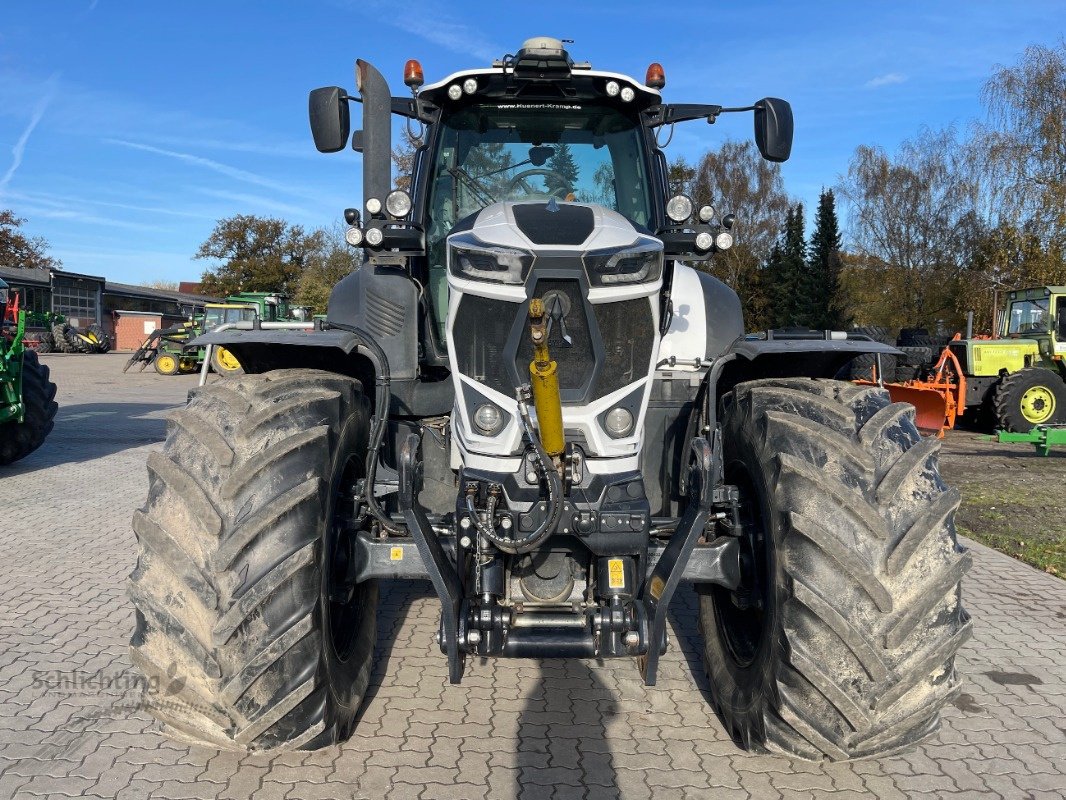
(1048, 556)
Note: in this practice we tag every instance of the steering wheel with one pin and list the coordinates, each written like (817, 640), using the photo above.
(560, 191)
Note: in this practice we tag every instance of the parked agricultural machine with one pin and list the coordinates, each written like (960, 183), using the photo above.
(168, 350)
(526, 396)
(1016, 382)
(27, 396)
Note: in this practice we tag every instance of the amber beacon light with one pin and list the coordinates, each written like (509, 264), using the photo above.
(655, 77)
(412, 74)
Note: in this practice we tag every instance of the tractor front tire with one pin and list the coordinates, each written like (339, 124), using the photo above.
(166, 364)
(840, 642)
(224, 362)
(1029, 397)
(19, 439)
(243, 625)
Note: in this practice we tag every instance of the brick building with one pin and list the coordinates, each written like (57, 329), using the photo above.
(124, 310)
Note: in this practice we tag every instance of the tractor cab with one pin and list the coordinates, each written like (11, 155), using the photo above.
(1038, 314)
(216, 314)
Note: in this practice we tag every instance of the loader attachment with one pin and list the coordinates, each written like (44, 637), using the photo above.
(938, 400)
(934, 405)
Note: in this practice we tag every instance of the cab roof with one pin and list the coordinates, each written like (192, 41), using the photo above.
(499, 83)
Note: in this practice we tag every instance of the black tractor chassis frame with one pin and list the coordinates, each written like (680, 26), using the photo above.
(433, 556)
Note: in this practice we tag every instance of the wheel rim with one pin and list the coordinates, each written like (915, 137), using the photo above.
(227, 360)
(345, 608)
(1038, 404)
(166, 363)
(742, 615)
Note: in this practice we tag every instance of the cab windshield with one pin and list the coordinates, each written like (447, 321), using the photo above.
(533, 152)
(1028, 316)
(214, 317)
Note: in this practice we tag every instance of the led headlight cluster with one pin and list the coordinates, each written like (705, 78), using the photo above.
(642, 262)
(469, 257)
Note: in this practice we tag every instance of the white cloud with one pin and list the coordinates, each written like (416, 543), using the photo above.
(20, 146)
(207, 163)
(888, 79)
(253, 201)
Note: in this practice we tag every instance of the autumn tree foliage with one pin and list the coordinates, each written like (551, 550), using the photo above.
(19, 251)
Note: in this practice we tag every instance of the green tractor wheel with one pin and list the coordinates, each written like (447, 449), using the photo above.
(1029, 397)
(19, 439)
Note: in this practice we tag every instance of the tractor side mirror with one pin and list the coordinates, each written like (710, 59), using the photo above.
(328, 110)
(773, 128)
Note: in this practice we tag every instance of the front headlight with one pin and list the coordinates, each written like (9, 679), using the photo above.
(643, 262)
(471, 258)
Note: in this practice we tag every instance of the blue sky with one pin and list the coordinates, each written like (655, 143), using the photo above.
(128, 128)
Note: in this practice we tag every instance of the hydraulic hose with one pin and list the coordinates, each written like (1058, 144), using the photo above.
(382, 399)
(555, 493)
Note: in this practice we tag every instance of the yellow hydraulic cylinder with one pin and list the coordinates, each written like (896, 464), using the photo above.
(545, 384)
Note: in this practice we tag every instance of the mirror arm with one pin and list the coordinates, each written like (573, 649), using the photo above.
(664, 114)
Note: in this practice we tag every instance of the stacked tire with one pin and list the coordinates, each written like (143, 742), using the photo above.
(101, 341)
(68, 340)
(863, 367)
(63, 336)
(46, 343)
(913, 362)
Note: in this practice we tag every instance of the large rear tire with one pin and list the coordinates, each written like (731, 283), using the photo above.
(239, 616)
(1029, 397)
(841, 641)
(19, 439)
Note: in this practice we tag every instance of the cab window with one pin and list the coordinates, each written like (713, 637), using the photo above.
(1028, 316)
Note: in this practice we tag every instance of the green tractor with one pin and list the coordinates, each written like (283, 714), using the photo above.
(1019, 378)
(168, 351)
(27, 397)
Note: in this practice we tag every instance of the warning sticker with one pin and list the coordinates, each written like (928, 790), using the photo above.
(616, 574)
(396, 554)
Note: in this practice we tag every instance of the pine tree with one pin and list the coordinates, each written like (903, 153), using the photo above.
(565, 169)
(827, 301)
(787, 274)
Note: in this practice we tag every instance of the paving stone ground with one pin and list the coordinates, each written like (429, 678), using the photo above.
(70, 725)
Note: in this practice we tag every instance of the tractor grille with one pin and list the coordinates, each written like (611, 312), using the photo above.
(480, 333)
(959, 350)
(611, 343)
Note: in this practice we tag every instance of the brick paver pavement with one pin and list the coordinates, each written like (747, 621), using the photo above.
(70, 726)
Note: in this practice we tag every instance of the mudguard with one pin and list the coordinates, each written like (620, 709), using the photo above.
(788, 357)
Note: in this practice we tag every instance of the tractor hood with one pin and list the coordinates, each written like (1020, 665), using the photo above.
(556, 226)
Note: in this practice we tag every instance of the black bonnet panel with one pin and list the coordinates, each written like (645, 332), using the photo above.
(567, 224)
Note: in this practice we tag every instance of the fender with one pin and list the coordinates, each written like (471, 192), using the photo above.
(332, 351)
(779, 354)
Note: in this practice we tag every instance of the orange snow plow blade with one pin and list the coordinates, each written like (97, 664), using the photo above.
(938, 400)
